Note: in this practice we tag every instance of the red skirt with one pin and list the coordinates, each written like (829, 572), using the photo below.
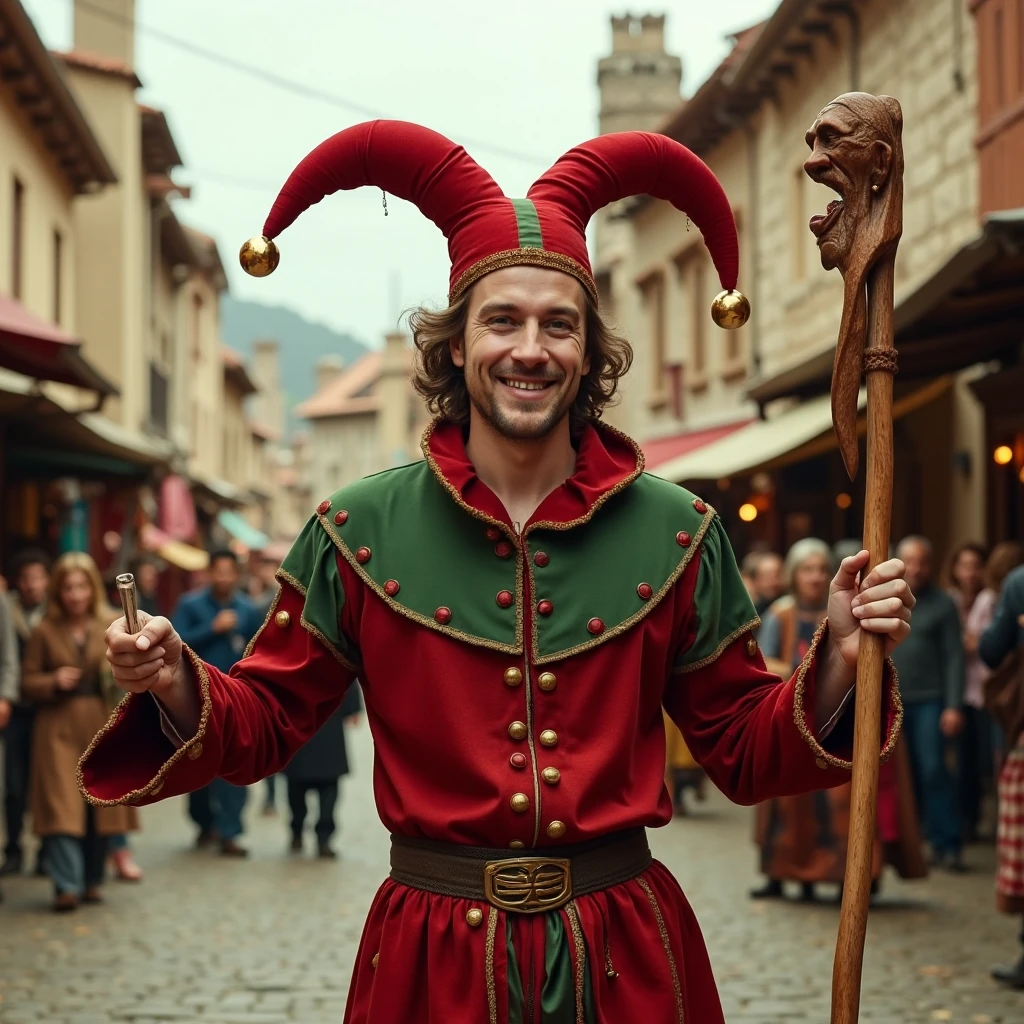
(636, 950)
(1010, 835)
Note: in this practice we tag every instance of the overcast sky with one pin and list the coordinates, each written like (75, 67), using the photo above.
(518, 76)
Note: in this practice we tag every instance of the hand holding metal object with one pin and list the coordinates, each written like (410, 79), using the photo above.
(129, 602)
(857, 150)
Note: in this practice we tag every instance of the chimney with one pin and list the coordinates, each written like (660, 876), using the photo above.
(107, 28)
(328, 369)
(639, 86)
(393, 389)
(268, 404)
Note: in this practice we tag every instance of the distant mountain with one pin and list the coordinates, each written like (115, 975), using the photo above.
(302, 343)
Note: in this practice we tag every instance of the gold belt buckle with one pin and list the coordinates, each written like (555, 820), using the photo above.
(528, 885)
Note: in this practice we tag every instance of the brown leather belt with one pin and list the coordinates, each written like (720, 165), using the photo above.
(532, 884)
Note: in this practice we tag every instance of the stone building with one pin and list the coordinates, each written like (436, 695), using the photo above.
(363, 418)
(744, 416)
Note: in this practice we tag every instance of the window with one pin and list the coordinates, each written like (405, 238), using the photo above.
(17, 238)
(58, 262)
(652, 288)
(197, 315)
(699, 317)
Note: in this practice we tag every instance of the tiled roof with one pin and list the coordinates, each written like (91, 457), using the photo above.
(343, 395)
(104, 65)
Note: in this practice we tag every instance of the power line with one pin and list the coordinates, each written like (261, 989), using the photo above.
(283, 82)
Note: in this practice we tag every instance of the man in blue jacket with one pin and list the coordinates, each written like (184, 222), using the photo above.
(217, 622)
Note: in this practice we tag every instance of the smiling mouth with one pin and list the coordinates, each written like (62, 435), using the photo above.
(526, 385)
(822, 223)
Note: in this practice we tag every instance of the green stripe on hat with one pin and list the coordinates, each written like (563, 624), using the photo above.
(528, 223)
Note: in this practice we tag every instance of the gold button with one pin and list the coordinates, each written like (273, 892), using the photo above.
(195, 751)
(517, 730)
(751, 647)
(517, 844)
(282, 618)
(520, 803)
(547, 681)
(549, 738)
(373, 962)
(513, 677)
(821, 762)
(556, 829)
(551, 776)
(156, 789)
(474, 917)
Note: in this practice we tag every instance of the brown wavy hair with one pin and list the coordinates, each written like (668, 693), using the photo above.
(443, 384)
(78, 561)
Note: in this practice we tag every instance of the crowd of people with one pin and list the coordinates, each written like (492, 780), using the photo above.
(56, 693)
(956, 775)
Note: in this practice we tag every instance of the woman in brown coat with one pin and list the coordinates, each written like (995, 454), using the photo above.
(63, 675)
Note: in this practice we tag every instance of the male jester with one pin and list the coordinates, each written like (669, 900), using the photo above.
(518, 606)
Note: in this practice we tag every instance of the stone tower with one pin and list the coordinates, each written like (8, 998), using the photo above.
(639, 85)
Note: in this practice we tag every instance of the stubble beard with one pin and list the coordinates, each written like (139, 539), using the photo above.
(526, 428)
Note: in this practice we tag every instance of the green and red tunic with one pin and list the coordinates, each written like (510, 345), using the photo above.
(514, 680)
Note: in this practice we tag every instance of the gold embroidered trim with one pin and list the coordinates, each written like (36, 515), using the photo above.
(800, 714)
(538, 797)
(492, 992)
(287, 577)
(273, 608)
(610, 493)
(677, 988)
(524, 257)
(423, 620)
(453, 490)
(581, 957)
(157, 781)
(646, 609)
(720, 649)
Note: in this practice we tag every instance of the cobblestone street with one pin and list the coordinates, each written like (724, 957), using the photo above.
(270, 941)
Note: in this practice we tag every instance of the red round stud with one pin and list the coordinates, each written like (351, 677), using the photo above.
(340, 518)
(443, 615)
(541, 559)
(595, 626)
(362, 555)
(646, 591)
(323, 507)
(518, 761)
(504, 599)
(699, 506)
(392, 587)
(493, 534)
(683, 539)
(545, 607)
(503, 549)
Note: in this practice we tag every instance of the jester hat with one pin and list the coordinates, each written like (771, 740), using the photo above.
(485, 229)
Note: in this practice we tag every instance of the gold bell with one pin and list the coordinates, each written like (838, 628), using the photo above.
(259, 256)
(730, 309)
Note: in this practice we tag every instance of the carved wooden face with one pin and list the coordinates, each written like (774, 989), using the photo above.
(853, 145)
(857, 151)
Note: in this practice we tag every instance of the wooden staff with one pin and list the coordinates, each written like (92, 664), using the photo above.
(853, 916)
(857, 150)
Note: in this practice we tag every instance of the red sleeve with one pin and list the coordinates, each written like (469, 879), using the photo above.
(253, 719)
(753, 733)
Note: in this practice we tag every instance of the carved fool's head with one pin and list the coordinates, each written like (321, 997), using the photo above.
(857, 151)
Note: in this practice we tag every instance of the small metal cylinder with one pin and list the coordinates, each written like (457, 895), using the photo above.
(126, 591)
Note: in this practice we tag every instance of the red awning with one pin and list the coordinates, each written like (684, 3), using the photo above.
(660, 450)
(31, 346)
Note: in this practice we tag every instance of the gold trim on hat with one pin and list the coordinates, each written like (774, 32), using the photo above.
(524, 258)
